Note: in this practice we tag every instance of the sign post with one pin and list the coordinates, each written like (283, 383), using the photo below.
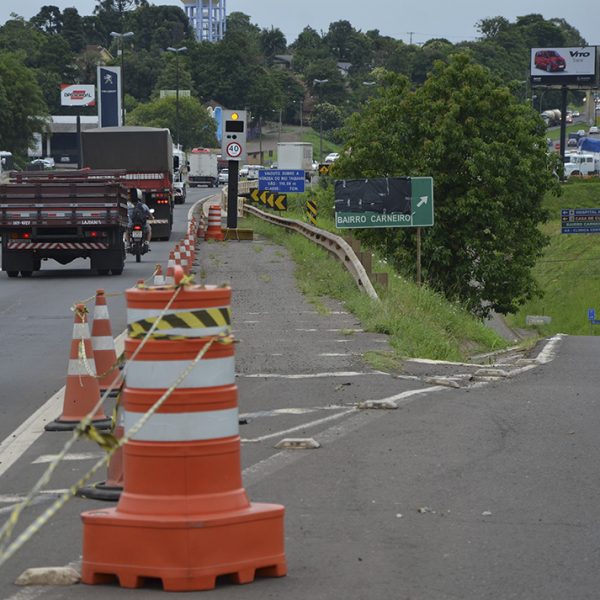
(233, 147)
(77, 95)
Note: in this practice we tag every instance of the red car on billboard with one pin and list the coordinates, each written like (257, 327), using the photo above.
(549, 60)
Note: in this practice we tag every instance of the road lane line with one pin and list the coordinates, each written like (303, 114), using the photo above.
(26, 434)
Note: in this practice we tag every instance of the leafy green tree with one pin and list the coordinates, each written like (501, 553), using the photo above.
(22, 106)
(328, 116)
(168, 78)
(49, 19)
(72, 30)
(272, 42)
(334, 90)
(487, 156)
(196, 126)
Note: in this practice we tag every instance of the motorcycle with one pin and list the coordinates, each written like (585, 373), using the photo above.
(137, 244)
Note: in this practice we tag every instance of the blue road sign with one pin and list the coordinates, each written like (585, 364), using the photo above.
(580, 220)
(281, 180)
(591, 314)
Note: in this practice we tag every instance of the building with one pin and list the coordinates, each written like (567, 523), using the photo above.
(207, 18)
(60, 142)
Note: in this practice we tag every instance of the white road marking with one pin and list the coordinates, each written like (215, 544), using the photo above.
(303, 426)
(48, 458)
(288, 411)
(21, 439)
(309, 375)
(334, 354)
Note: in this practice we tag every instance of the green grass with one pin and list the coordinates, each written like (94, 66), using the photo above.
(419, 322)
(569, 271)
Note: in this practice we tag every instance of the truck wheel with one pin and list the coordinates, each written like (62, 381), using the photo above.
(117, 271)
(26, 273)
(12, 273)
(103, 271)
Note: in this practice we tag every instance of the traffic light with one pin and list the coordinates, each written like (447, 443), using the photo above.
(233, 144)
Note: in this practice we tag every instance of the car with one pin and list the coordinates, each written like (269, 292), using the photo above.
(549, 61)
(575, 113)
(243, 171)
(580, 132)
(331, 157)
(253, 171)
(223, 176)
(572, 142)
(593, 130)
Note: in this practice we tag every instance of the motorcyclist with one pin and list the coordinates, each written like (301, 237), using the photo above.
(138, 213)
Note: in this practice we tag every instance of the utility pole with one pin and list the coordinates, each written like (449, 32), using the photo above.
(121, 37)
(177, 51)
(320, 82)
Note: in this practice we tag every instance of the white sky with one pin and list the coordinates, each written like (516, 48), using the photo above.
(454, 20)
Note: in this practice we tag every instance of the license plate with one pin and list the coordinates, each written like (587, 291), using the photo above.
(136, 234)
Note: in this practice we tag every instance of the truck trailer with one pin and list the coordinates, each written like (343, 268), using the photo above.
(63, 215)
(146, 155)
(203, 169)
(295, 156)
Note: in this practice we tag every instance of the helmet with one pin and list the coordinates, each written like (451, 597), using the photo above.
(135, 194)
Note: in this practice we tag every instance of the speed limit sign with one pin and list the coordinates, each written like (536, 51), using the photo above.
(234, 150)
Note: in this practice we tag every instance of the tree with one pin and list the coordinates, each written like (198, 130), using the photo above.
(326, 115)
(486, 153)
(49, 19)
(22, 107)
(72, 30)
(272, 42)
(196, 126)
(168, 77)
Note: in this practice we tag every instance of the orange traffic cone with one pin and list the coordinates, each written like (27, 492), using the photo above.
(105, 353)
(159, 278)
(110, 489)
(82, 391)
(183, 516)
(169, 277)
(214, 231)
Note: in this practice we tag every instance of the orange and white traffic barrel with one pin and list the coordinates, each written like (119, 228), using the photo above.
(184, 516)
(214, 231)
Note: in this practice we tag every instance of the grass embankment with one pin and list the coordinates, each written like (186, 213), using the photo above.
(569, 271)
(419, 322)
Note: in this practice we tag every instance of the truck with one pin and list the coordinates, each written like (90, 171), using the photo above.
(581, 163)
(63, 215)
(146, 155)
(296, 156)
(551, 117)
(203, 169)
(180, 167)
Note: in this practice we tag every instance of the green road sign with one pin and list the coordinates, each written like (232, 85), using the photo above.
(364, 203)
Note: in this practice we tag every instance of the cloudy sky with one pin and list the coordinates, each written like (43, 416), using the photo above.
(434, 18)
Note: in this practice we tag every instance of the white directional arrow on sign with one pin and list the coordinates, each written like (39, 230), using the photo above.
(422, 200)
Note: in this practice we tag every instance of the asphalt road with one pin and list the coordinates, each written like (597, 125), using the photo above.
(480, 485)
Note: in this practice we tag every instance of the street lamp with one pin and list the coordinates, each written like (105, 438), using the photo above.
(121, 37)
(177, 51)
(315, 83)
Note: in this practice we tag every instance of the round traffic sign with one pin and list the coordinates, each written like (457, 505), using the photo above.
(234, 150)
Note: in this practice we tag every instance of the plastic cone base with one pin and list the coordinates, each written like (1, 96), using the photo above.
(59, 425)
(186, 553)
(100, 491)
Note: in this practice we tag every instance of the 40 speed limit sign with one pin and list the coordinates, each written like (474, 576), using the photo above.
(234, 150)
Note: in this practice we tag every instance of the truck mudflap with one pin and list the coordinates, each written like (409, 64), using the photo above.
(161, 228)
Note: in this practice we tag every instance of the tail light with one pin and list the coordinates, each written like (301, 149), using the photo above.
(94, 234)
(20, 236)
(137, 227)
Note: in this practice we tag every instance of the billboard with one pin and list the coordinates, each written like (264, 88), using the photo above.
(77, 94)
(109, 97)
(558, 66)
